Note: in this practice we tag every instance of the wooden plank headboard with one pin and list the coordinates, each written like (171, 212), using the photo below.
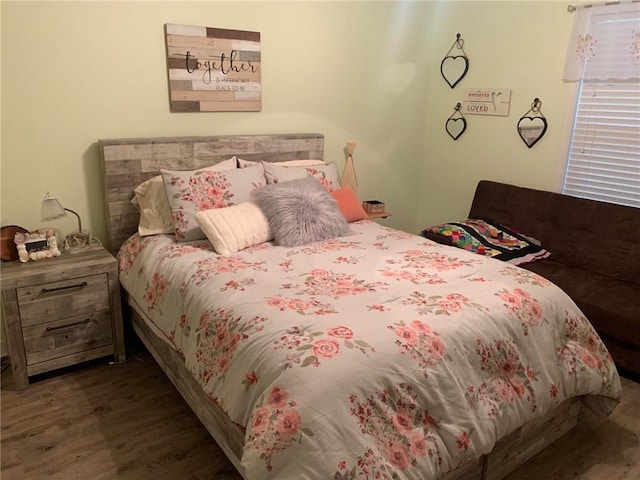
(128, 162)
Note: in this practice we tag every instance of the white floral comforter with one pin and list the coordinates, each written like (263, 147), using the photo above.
(376, 355)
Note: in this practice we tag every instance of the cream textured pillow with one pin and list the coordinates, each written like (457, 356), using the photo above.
(150, 199)
(235, 228)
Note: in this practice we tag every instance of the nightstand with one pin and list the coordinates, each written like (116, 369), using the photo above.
(61, 311)
(372, 216)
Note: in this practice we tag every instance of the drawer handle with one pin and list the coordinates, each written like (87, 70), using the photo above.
(78, 285)
(74, 324)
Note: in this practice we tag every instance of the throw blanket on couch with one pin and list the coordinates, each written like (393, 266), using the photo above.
(489, 239)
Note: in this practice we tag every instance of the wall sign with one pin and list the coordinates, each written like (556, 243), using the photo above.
(487, 101)
(213, 69)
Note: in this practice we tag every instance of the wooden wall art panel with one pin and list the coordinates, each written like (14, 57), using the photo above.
(213, 69)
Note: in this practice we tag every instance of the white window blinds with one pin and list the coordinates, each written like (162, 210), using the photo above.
(604, 156)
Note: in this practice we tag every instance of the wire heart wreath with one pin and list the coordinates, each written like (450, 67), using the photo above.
(532, 128)
(452, 127)
(453, 61)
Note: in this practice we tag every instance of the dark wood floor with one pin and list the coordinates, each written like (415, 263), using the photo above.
(102, 421)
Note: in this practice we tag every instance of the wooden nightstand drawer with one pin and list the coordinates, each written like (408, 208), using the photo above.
(57, 300)
(76, 334)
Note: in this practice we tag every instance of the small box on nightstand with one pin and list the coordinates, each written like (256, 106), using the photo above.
(373, 206)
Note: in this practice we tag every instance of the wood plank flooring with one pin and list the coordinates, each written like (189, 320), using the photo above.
(101, 422)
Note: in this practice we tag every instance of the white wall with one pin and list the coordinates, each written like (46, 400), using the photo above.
(516, 45)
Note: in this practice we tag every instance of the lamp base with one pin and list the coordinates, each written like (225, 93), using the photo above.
(77, 242)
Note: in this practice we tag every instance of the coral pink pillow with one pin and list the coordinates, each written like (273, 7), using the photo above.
(349, 204)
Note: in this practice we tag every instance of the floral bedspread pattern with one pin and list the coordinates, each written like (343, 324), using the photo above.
(377, 355)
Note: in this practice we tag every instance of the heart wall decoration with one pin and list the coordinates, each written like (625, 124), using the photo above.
(454, 67)
(532, 125)
(456, 124)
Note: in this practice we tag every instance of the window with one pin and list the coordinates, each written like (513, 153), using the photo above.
(604, 57)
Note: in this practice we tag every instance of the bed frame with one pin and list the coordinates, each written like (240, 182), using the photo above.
(128, 162)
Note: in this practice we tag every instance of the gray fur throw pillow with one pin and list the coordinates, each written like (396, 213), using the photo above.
(300, 211)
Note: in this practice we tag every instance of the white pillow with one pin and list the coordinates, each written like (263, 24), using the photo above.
(287, 163)
(150, 199)
(327, 174)
(235, 228)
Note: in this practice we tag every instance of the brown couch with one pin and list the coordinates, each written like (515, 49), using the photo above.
(595, 255)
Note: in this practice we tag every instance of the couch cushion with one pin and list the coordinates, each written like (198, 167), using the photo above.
(610, 305)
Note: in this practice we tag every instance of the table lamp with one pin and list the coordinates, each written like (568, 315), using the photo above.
(52, 210)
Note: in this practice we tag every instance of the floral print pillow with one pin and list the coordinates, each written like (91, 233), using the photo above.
(327, 174)
(189, 192)
(150, 200)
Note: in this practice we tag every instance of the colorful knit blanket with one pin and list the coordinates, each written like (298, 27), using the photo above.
(490, 239)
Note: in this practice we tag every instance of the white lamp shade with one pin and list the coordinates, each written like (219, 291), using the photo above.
(51, 208)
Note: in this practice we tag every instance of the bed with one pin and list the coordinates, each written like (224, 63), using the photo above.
(376, 354)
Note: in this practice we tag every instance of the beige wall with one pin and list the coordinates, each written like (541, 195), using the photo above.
(76, 72)
(369, 72)
(515, 45)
